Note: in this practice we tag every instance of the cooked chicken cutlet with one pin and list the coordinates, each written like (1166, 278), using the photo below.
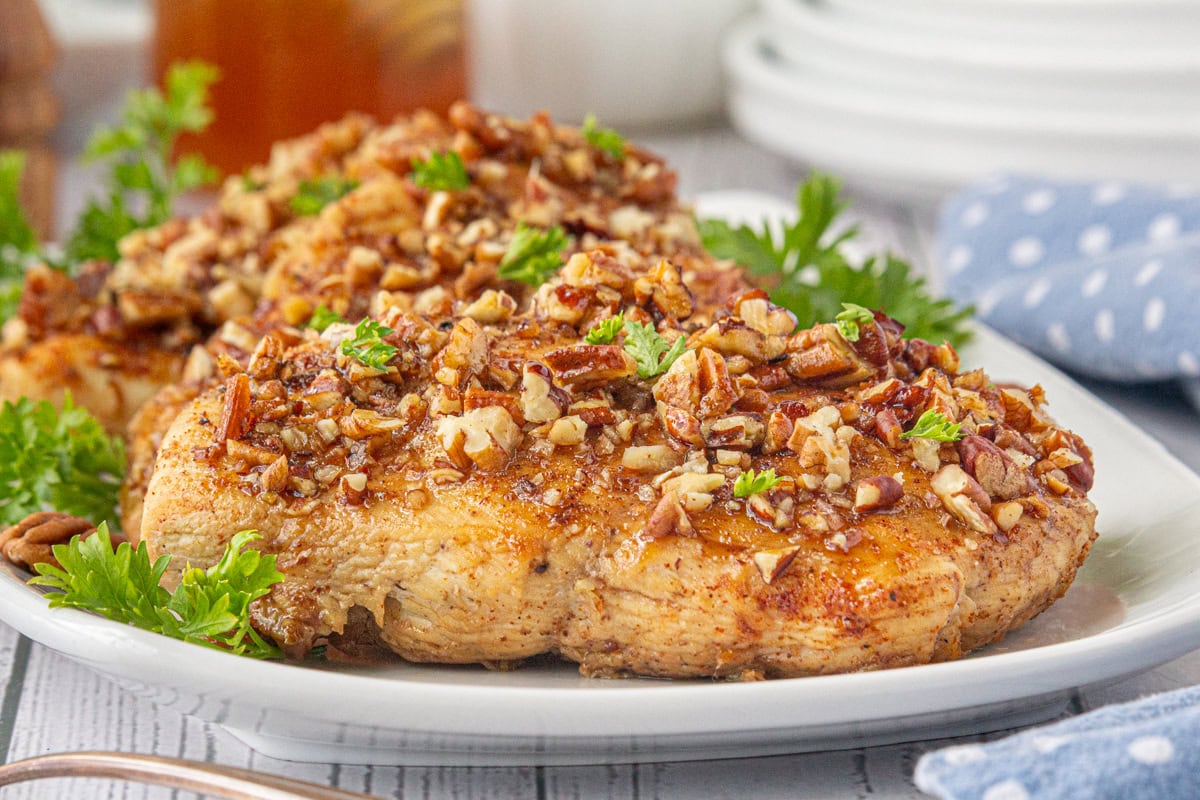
(503, 489)
(254, 260)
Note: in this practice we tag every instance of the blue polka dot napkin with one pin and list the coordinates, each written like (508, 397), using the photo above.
(1102, 278)
(1135, 751)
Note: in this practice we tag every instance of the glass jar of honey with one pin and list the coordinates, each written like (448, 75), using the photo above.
(289, 65)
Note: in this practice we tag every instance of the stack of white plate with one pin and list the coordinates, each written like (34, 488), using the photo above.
(913, 98)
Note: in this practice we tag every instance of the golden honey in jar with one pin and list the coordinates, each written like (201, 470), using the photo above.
(289, 65)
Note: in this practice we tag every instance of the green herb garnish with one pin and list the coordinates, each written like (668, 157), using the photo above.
(806, 271)
(605, 330)
(933, 425)
(143, 183)
(533, 255)
(851, 318)
(749, 482)
(368, 346)
(209, 607)
(18, 242)
(605, 139)
(62, 460)
(323, 317)
(441, 171)
(314, 195)
(650, 350)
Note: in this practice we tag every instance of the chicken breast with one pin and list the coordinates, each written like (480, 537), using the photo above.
(506, 489)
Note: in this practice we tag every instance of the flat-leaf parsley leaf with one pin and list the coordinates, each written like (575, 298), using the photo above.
(749, 482)
(368, 346)
(605, 330)
(209, 607)
(650, 350)
(323, 317)
(605, 139)
(441, 171)
(314, 195)
(851, 318)
(533, 255)
(933, 425)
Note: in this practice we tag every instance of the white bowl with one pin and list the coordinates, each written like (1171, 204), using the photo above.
(903, 145)
(630, 62)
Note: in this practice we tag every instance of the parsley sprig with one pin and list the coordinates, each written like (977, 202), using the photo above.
(851, 319)
(209, 607)
(313, 195)
(61, 460)
(650, 350)
(605, 330)
(368, 346)
(807, 272)
(933, 425)
(143, 181)
(533, 255)
(323, 317)
(750, 482)
(441, 171)
(18, 242)
(605, 139)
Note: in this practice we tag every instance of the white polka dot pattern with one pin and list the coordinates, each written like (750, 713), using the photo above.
(1008, 790)
(1101, 277)
(1151, 750)
(1026, 252)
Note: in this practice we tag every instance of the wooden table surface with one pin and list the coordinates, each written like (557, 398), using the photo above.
(49, 704)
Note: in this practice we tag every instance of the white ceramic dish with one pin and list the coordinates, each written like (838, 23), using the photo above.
(1136, 604)
(886, 143)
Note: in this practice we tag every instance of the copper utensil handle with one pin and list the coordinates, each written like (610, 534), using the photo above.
(212, 779)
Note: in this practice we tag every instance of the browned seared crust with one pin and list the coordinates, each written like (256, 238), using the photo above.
(505, 490)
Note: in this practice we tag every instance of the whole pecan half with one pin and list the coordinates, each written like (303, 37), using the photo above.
(31, 540)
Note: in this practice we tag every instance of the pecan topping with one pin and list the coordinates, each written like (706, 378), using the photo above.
(31, 540)
(589, 365)
(877, 493)
(964, 498)
(773, 563)
(996, 472)
(234, 420)
(669, 518)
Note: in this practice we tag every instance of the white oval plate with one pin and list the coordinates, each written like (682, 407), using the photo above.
(1135, 604)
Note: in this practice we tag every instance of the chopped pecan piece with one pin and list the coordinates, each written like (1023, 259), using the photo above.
(664, 289)
(996, 472)
(822, 356)
(877, 493)
(590, 365)
(486, 437)
(773, 563)
(669, 518)
(964, 498)
(234, 413)
(541, 400)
